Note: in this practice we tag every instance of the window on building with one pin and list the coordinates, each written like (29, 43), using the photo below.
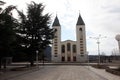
(55, 55)
(55, 47)
(55, 44)
(74, 58)
(81, 41)
(82, 55)
(74, 48)
(68, 58)
(56, 30)
(55, 51)
(55, 36)
(68, 47)
(55, 39)
(81, 49)
(63, 48)
(81, 38)
(80, 29)
(63, 58)
(81, 44)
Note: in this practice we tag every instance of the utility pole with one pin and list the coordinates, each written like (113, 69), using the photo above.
(98, 43)
(117, 37)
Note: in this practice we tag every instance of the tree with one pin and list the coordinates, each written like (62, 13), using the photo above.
(7, 32)
(35, 30)
(1, 3)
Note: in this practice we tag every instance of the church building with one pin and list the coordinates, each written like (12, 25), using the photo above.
(69, 51)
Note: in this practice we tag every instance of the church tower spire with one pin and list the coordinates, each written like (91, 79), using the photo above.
(81, 39)
(56, 22)
(80, 21)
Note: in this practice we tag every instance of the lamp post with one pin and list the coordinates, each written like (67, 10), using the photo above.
(117, 37)
(88, 58)
(37, 58)
(98, 42)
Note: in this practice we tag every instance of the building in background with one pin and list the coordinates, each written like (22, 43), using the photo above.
(69, 51)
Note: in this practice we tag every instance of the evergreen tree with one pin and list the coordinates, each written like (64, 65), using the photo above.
(35, 30)
(7, 32)
(1, 3)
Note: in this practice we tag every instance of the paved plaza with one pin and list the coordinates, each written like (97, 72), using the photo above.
(65, 73)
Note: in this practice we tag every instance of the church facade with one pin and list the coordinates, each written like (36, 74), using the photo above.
(69, 51)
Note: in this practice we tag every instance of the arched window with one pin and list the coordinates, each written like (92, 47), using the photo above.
(74, 48)
(80, 29)
(68, 47)
(74, 58)
(68, 58)
(63, 58)
(55, 30)
(63, 48)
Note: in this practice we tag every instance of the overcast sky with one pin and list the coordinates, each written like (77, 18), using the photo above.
(100, 16)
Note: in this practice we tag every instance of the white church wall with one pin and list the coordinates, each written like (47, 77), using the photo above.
(58, 34)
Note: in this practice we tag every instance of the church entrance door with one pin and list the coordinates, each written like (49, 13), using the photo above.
(69, 59)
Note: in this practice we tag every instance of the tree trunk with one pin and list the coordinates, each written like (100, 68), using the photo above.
(43, 58)
(32, 60)
(31, 63)
(0, 63)
(4, 65)
(43, 61)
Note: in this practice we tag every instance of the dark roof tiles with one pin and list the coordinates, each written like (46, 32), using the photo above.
(56, 22)
(80, 21)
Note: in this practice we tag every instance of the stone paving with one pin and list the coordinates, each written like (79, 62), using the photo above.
(105, 74)
(65, 73)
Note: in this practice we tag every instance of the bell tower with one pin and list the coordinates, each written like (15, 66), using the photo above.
(56, 48)
(81, 40)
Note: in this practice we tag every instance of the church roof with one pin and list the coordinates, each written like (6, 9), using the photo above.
(80, 21)
(56, 22)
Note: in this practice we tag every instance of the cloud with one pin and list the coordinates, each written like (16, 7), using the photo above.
(100, 16)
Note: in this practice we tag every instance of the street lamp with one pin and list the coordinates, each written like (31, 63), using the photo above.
(88, 58)
(37, 58)
(117, 37)
(98, 42)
